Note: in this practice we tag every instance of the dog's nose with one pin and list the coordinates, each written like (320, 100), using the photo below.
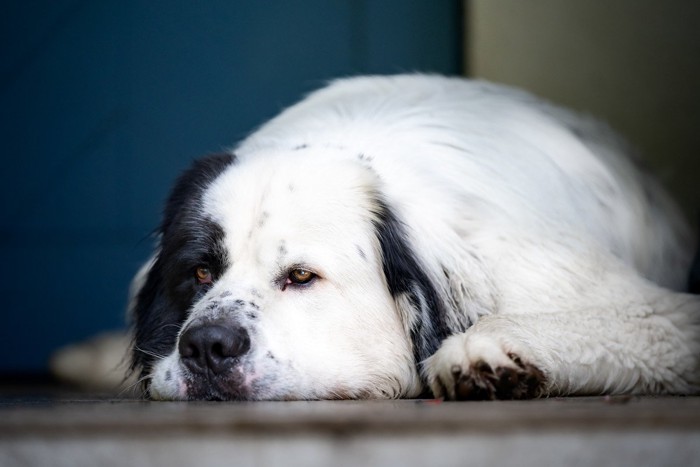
(212, 346)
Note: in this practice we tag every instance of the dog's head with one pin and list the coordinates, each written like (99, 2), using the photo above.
(284, 276)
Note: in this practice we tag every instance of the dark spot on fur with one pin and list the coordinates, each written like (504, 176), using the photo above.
(446, 273)
(451, 146)
(282, 249)
(168, 375)
(361, 252)
(255, 293)
(301, 146)
(251, 314)
(263, 218)
(225, 293)
(253, 305)
(270, 356)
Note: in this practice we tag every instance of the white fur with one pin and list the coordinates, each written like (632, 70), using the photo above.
(557, 246)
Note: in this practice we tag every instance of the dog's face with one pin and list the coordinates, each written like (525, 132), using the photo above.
(270, 282)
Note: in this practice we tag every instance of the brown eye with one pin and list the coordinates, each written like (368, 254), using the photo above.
(300, 276)
(203, 275)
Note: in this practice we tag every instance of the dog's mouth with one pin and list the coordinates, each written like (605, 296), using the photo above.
(229, 387)
(173, 380)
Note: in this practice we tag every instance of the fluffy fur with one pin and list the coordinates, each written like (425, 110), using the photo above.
(465, 239)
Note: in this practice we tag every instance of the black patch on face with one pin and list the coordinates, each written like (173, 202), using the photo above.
(404, 275)
(187, 240)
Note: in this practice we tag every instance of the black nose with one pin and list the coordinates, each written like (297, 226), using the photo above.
(212, 346)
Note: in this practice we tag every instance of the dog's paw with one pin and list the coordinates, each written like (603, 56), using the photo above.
(474, 367)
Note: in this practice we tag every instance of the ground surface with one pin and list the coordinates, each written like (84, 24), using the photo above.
(63, 428)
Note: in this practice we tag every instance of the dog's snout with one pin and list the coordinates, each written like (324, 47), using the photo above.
(213, 347)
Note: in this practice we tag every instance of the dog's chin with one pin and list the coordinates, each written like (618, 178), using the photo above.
(218, 388)
(199, 389)
(213, 392)
(177, 383)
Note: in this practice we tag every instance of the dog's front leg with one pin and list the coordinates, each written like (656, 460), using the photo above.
(631, 348)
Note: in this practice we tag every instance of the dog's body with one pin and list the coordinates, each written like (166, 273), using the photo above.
(390, 235)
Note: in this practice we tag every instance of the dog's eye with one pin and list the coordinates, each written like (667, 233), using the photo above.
(203, 275)
(300, 276)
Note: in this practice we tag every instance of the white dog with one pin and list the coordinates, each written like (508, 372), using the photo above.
(390, 236)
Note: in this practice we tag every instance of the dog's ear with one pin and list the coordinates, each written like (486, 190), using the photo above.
(416, 297)
(155, 319)
(156, 310)
(189, 187)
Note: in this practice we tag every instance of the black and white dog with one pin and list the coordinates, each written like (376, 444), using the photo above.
(399, 236)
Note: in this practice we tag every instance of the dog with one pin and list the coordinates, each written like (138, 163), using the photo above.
(414, 236)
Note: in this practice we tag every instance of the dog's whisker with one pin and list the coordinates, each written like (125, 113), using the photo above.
(149, 353)
(128, 388)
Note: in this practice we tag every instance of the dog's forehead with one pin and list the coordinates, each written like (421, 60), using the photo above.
(299, 197)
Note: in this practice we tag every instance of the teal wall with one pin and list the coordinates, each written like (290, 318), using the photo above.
(103, 103)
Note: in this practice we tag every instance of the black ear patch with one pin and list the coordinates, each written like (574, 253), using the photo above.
(186, 239)
(406, 278)
(189, 187)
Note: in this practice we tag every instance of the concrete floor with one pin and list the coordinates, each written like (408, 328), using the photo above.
(74, 429)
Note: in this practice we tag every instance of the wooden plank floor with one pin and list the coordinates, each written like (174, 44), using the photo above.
(74, 429)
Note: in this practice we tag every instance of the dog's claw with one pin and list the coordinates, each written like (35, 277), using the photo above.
(482, 382)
